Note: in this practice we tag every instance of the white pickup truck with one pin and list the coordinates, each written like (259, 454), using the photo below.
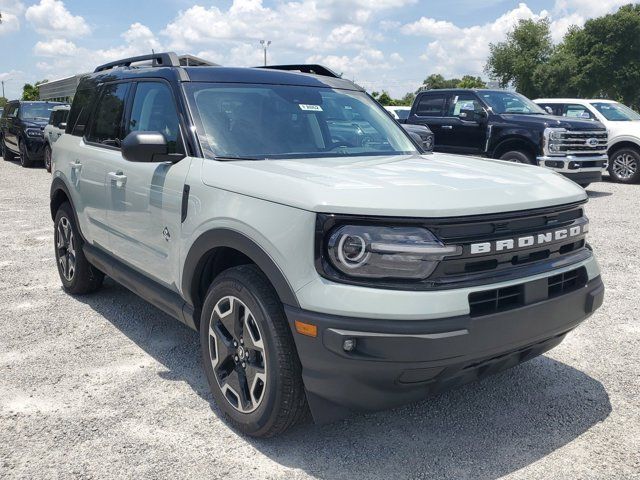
(623, 125)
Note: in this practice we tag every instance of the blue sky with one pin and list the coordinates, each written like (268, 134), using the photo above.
(382, 44)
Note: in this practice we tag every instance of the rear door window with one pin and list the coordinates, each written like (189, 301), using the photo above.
(431, 105)
(106, 128)
(577, 111)
(83, 104)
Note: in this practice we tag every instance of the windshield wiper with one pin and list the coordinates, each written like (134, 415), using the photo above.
(231, 159)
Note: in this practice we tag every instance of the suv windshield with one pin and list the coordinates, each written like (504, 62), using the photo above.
(510, 102)
(38, 111)
(616, 112)
(284, 121)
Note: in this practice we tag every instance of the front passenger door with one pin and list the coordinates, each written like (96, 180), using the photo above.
(467, 118)
(145, 198)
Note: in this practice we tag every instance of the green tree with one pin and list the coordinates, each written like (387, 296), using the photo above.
(469, 81)
(436, 80)
(407, 100)
(514, 61)
(31, 92)
(3, 102)
(606, 52)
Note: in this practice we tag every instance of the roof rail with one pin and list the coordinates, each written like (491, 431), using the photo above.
(305, 68)
(166, 59)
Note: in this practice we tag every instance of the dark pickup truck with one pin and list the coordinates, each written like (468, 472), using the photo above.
(508, 126)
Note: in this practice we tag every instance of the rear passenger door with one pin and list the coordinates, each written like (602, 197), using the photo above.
(430, 110)
(145, 199)
(98, 152)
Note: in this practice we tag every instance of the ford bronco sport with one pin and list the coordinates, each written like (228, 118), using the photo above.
(327, 268)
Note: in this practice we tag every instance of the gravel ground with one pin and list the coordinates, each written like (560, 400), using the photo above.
(107, 386)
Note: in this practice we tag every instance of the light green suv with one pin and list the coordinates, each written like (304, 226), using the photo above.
(327, 263)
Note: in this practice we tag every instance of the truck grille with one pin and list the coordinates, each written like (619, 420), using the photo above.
(579, 142)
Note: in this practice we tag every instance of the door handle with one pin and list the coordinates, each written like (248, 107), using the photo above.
(447, 127)
(119, 178)
(75, 166)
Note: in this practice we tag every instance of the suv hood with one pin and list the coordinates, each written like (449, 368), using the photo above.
(437, 185)
(30, 123)
(543, 121)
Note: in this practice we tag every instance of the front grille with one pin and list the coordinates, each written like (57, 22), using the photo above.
(498, 300)
(575, 142)
(567, 282)
(494, 301)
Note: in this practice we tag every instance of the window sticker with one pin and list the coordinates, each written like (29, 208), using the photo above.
(310, 108)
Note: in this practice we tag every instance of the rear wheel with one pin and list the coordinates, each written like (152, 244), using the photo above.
(47, 158)
(249, 355)
(518, 156)
(78, 276)
(25, 160)
(624, 165)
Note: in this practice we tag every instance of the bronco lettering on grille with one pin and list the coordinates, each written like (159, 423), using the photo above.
(529, 240)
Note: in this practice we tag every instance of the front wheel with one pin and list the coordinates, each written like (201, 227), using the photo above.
(5, 152)
(249, 355)
(518, 156)
(25, 160)
(624, 165)
(47, 158)
(78, 276)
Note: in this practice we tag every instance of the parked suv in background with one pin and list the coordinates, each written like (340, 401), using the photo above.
(324, 268)
(622, 123)
(54, 129)
(508, 126)
(22, 130)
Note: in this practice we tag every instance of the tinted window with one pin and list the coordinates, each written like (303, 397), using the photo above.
(431, 106)
(283, 121)
(461, 102)
(107, 123)
(78, 117)
(403, 114)
(509, 102)
(154, 111)
(36, 111)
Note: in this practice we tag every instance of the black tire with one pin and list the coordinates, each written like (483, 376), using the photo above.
(47, 157)
(6, 153)
(83, 277)
(25, 160)
(518, 156)
(624, 165)
(282, 399)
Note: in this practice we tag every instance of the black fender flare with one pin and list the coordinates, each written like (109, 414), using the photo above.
(224, 237)
(514, 138)
(58, 185)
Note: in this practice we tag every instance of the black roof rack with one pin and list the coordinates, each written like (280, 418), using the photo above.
(305, 68)
(166, 59)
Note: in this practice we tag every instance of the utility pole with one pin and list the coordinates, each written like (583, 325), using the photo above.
(265, 44)
(2, 88)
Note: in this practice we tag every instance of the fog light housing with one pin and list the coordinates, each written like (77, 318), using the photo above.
(349, 345)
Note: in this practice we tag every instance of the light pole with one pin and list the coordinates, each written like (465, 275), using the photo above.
(265, 44)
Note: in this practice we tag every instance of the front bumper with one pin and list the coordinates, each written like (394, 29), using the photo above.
(400, 361)
(578, 169)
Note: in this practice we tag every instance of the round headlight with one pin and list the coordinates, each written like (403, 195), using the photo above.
(352, 250)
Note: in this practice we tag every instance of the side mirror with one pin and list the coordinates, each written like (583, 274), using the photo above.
(62, 125)
(549, 110)
(147, 147)
(470, 115)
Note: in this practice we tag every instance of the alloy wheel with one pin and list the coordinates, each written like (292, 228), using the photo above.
(624, 166)
(47, 159)
(65, 248)
(237, 354)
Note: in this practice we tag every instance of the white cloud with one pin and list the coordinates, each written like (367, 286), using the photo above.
(51, 18)
(11, 10)
(55, 47)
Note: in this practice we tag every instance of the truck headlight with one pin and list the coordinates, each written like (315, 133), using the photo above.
(386, 252)
(553, 140)
(34, 132)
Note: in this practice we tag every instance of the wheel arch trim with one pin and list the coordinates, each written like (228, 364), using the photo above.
(228, 238)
